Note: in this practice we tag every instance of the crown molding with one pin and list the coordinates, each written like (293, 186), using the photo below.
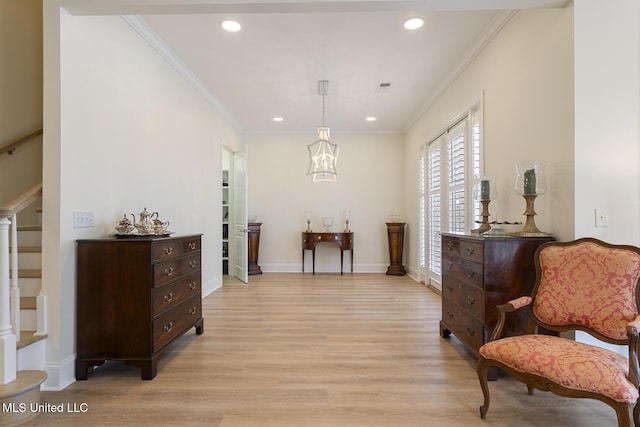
(471, 54)
(146, 32)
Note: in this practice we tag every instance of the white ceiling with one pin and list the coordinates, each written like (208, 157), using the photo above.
(272, 65)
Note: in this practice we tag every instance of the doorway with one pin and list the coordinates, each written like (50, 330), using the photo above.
(234, 217)
(227, 194)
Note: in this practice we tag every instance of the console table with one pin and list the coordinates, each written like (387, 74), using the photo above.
(344, 241)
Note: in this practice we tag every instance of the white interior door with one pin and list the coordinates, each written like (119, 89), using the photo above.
(240, 235)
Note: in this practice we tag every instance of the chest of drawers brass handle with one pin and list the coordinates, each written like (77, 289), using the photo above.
(192, 245)
(193, 311)
(168, 271)
(193, 263)
(450, 314)
(471, 331)
(470, 274)
(168, 327)
(449, 246)
(168, 250)
(449, 265)
(470, 251)
(168, 297)
(449, 288)
(192, 285)
(471, 300)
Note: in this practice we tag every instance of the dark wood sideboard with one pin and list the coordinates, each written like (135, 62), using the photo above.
(344, 241)
(478, 274)
(134, 297)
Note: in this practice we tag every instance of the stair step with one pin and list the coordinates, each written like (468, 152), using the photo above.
(24, 273)
(28, 337)
(29, 228)
(29, 249)
(28, 303)
(24, 390)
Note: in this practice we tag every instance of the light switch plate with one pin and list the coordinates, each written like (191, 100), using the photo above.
(602, 218)
(82, 219)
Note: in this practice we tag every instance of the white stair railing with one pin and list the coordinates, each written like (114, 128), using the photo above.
(15, 290)
(9, 290)
(8, 354)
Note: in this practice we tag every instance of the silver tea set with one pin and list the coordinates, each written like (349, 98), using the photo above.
(148, 225)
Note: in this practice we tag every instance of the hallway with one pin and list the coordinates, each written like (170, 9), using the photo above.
(326, 350)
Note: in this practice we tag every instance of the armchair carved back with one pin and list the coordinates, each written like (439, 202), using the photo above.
(587, 285)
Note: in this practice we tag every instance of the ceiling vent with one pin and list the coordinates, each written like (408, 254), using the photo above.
(383, 87)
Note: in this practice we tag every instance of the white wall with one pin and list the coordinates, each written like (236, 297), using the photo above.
(607, 146)
(370, 182)
(132, 134)
(607, 122)
(21, 100)
(525, 76)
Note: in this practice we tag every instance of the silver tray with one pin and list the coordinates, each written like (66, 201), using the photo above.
(143, 236)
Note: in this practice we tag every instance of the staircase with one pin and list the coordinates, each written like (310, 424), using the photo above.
(31, 343)
(28, 308)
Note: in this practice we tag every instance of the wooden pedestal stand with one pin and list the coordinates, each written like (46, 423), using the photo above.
(254, 245)
(395, 231)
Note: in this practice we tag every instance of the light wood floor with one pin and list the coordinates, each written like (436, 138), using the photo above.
(299, 350)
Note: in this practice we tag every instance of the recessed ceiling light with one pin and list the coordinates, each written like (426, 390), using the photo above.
(230, 25)
(278, 119)
(370, 119)
(413, 23)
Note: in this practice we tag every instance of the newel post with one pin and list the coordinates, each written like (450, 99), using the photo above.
(8, 358)
(14, 294)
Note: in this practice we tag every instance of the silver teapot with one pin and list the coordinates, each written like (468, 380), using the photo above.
(159, 226)
(125, 226)
(145, 225)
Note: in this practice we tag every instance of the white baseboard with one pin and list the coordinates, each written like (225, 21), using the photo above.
(210, 286)
(296, 268)
(60, 375)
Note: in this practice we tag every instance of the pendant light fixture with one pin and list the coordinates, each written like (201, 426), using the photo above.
(323, 155)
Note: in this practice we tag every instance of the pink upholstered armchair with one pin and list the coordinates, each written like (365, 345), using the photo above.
(585, 285)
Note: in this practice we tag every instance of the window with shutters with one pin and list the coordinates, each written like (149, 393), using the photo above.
(447, 166)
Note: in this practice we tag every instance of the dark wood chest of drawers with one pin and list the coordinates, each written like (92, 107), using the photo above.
(478, 274)
(134, 297)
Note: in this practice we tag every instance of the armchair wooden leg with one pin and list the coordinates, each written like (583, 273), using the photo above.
(626, 414)
(482, 376)
(530, 388)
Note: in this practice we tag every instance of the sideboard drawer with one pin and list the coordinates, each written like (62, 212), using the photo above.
(166, 249)
(190, 246)
(466, 328)
(347, 241)
(450, 247)
(176, 321)
(470, 272)
(470, 298)
(169, 271)
(167, 297)
(471, 250)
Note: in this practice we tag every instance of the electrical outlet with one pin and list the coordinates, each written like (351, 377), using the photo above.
(82, 219)
(602, 218)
